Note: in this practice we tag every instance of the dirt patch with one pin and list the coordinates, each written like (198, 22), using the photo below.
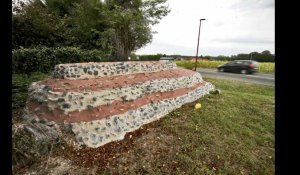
(145, 145)
(57, 166)
(16, 115)
(147, 151)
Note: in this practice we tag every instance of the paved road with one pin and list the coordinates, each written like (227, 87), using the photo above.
(266, 79)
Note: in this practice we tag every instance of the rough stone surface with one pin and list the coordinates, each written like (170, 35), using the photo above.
(97, 116)
(100, 132)
(72, 101)
(33, 138)
(94, 69)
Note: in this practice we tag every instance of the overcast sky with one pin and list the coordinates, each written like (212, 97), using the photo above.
(231, 27)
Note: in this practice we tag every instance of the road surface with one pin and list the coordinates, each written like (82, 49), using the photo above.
(266, 79)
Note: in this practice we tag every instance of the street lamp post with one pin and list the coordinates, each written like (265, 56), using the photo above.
(198, 44)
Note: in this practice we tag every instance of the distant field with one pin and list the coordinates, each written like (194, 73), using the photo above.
(263, 67)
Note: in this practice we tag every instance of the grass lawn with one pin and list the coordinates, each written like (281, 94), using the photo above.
(233, 133)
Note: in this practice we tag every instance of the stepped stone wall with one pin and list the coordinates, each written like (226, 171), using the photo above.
(101, 102)
(92, 70)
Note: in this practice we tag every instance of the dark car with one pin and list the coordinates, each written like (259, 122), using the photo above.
(239, 66)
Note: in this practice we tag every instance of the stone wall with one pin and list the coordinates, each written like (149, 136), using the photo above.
(94, 69)
(99, 132)
(72, 101)
(104, 101)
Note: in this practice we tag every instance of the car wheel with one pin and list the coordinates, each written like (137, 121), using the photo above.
(243, 71)
(221, 69)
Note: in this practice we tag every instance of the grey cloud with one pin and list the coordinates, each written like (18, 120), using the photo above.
(253, 5)
(268, 4)
(244, 40)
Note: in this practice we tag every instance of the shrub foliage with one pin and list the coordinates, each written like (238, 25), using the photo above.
(43, 59)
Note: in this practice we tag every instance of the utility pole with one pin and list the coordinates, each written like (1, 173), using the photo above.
(198, 44)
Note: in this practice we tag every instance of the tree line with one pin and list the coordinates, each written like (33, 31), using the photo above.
(264, 56)
(115, 27)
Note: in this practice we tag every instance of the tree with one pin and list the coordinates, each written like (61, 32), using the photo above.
(33, 24)
(266, 52)
(62, 7)
(118, 27)
(91, 26)
(132, 20)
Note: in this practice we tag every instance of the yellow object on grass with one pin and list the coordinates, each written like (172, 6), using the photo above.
(198, 106)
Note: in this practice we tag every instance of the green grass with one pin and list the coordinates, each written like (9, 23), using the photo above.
(232, 132)
(20, 85)
(263, 67)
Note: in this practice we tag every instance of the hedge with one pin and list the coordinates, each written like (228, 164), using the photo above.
(147, 57)
(43, 59)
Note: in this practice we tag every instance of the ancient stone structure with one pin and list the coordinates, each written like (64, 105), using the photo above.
(101, 102)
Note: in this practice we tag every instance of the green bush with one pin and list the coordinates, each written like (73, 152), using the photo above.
(43, 59)
(20, 85)
(149, 57)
